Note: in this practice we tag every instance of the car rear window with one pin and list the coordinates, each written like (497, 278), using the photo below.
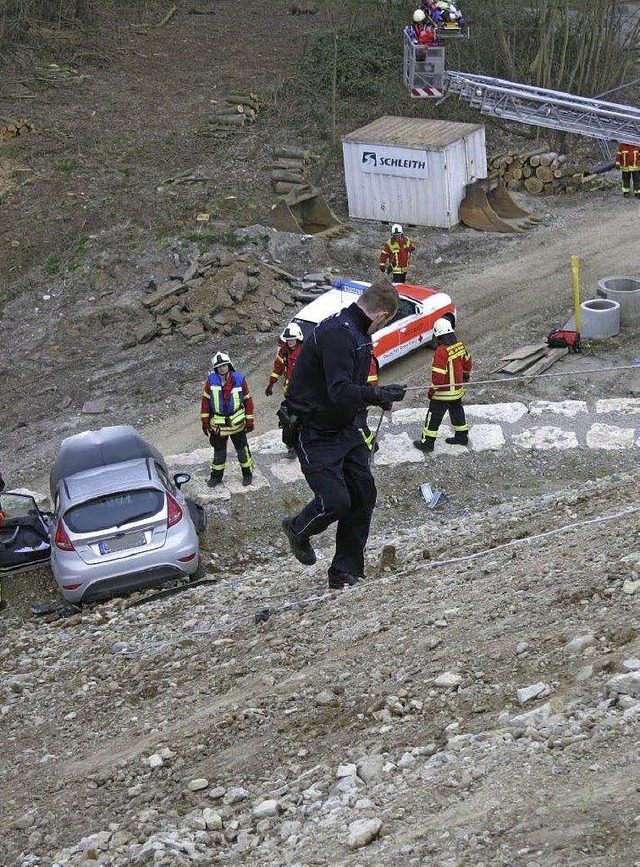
(114, 510)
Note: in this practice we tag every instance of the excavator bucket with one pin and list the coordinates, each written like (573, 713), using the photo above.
(488, 207)
(307, 212)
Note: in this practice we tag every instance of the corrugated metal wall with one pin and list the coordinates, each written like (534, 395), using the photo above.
(431, 200)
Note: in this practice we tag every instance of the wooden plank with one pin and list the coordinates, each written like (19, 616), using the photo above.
(544, 363)
(523, 351)
(521, 364)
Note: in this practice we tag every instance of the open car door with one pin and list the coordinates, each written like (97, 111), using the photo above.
(24, 533)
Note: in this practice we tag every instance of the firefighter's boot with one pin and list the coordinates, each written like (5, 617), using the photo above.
(247, 476)
(460, 438)
(215, 479)
(427, 445)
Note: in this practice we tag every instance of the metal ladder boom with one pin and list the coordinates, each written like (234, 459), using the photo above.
(548, 108)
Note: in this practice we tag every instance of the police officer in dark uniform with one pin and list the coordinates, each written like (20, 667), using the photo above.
(324, 405)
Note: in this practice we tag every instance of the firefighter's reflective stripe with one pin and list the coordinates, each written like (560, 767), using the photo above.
(229, 416)
(368, 436)
(452, 390)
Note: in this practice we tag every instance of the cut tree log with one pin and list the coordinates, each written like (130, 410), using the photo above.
(288, 177)
(287, 164)
(291, 151)
(545, 174)
(281, 188)
(533, 185)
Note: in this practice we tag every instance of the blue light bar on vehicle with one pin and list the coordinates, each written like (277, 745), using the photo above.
(355, 286)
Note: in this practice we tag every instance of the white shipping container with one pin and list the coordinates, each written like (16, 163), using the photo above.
(410, 170)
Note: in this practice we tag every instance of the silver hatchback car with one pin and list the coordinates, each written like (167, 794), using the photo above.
(121, 522)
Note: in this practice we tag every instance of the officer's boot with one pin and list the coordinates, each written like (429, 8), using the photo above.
(215, 479)
(426, 445)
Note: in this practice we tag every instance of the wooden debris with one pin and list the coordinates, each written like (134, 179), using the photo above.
(172, 11)
(544, 363)
(15, 128)
(530, 360)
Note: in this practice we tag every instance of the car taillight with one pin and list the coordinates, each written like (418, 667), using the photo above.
(188, 558)
(174, 512)
(61, 539)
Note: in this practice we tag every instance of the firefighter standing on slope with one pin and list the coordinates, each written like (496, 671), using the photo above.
(396, 254)
(289, 348)
(450, 368)
(628, 159)
(226, 411)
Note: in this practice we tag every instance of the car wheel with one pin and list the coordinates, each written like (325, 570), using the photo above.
(201, 571)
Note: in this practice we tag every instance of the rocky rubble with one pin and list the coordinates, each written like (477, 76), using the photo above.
(413, 719)
(223, 294)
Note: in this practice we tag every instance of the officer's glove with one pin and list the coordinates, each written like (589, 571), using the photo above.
(248, 426)
(387, 395)
(383, 268)
(269, 390)
(206, 430)
(466, 377)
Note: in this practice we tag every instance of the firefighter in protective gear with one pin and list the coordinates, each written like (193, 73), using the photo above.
(396, 254)
(226, 411)
(628, 159)
(289, 348)
(422, 32)
(450, 368)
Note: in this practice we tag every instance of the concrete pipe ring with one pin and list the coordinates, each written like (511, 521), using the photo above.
(626, 291)
(600, 318)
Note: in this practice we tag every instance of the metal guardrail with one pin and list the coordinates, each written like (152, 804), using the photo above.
(548, 108)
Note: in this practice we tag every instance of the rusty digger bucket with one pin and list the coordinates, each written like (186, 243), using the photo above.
(488, 207)
(306, 211)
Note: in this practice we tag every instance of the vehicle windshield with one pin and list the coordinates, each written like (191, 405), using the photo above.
(114, 510)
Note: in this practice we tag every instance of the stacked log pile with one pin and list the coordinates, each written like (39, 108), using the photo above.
(289, 169)
(543, 171)
(221, 294)
(536, 172)
(15, 128)
(237, 110)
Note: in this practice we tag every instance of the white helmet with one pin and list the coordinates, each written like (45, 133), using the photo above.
(396, 229)
(442, 327)
(419, 16)
(292, 332)
(221, 358)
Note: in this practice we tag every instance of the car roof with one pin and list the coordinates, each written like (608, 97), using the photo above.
(100, 448)
(100, 481)
(345, 292)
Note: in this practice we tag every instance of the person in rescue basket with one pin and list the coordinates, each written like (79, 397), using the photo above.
(226, 411)
(450, 368)
(396, 254)
(628, 159)
(289, 348)
(320, 415)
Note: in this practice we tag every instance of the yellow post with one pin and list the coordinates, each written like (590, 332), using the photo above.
(575, 268)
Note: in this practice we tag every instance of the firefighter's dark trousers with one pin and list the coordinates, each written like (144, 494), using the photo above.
(336, 467)
(631, 178)
(437, 411)
(219, 460)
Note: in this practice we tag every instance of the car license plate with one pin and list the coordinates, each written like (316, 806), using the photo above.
(122, 543)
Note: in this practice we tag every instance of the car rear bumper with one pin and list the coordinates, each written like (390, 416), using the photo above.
(115, 585)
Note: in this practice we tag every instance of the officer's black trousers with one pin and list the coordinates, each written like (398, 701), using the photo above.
(336, 467)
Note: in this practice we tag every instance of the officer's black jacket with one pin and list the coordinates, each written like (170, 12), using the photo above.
(329, 382)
